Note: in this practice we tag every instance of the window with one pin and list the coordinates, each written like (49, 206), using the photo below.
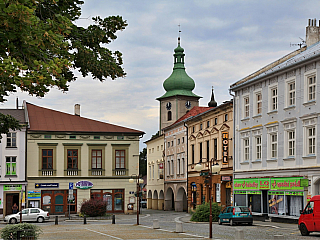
(168, 167)
(291, 101)
(72, 137)
(215, 146)
(192, 153)
(172, 167)
(201, 126)
(258, 147)
(171, 143)
(47, 136)
(149, 151)
(72, 158)
(149, 172)
(178, 141)
(246, 149)
(200, 151)
(169, 116)
(168, 144)
(226, 117)
(274, 98)
(182, 167)
(161, 147)
(11, 166)
(152, 171)
(208, 151)
(311, 88)
(193, 129)
(96, 137)
(152, 150)
(158, 148)
(246, 106)
(178, 166)
(47, 158)
(120, 158)
(273, 145)
(291, 143)
(96, 159)
(258, 103)
(11, 139)
(215, 121)
(311, 141)
(182, 139)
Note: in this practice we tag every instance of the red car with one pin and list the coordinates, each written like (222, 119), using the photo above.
(309, 220)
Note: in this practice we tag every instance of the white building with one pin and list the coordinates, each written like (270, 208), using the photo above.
(277, 122)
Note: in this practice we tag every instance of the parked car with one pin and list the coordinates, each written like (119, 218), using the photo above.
(28, 215)
(309, 220)
(235, 215)
(143, 204)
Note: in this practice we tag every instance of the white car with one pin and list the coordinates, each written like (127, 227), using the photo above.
(28, 215)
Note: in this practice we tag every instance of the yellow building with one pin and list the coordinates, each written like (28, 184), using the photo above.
(97, 158)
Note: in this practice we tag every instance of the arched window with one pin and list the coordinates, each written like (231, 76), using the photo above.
(169, 116)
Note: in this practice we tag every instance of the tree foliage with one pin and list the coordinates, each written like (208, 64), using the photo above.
(42, 47)
(143, 162)
(202, 212)
(28, 231)
(94, 207)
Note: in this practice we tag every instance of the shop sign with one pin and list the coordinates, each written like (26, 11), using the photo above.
(12, 187)
(161, 166)
(34, 194)
(84, 184)
(276, 193)
(254, 192)
(46, 185)
(225, 142)
(264, 183)
(304, 182)
(294, 193)
(226, 178)
(291, 183)
(250, 183)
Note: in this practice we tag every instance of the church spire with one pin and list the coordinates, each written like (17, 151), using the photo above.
(212, 103)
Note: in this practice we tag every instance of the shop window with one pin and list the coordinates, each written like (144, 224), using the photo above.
(276, 203)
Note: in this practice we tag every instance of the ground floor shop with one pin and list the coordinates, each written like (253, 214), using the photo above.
(59, 197)
(280, 196)
(10, 194)
(221, 190)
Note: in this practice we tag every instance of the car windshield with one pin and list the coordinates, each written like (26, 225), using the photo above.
(241, 209)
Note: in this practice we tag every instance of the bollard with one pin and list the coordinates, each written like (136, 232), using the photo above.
(56, 221)
(278, 237)
(84, 220)
(179, 228)
(113, 219)
(156, 224)
(239, 234)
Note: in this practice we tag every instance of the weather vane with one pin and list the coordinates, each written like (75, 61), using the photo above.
(302, 44)
(179, 34)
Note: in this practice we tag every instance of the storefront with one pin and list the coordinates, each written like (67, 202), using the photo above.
(11, 194)
(280, 196)
(113, 197)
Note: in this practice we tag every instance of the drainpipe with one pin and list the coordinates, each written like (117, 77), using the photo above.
(233, 152)
(187, 157)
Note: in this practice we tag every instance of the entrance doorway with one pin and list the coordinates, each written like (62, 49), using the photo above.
(11, 198)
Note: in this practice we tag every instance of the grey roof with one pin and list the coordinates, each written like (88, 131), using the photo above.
(310, 52)
(16, 113)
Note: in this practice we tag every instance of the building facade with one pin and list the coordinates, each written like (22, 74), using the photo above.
(13, 181)
(277, 120)
(210, 135)
(97, 158)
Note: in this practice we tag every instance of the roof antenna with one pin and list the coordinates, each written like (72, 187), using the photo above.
(179, 34)
(302, 44)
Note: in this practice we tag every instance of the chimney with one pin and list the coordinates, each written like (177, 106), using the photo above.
(77, 109)
(312, 32)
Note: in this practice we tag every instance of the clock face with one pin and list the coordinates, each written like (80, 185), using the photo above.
(188, 104)
(168, 106)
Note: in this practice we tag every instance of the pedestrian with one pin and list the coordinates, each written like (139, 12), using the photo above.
(14, 208)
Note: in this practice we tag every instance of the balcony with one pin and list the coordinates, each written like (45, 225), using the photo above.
(48, 172)
(97, 172)
(120, 172)
(72, 172)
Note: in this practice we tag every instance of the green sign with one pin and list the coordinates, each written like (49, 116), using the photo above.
(254, 192)
(276, 193)
(294, 193)
(249, 183)
(34, 194)
(13, 187)
(240, 192)
(304, 182)
(290, 183)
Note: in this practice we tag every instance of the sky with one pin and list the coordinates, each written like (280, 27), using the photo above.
(224, 41)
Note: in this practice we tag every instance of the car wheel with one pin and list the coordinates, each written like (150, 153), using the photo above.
(231, 222)
(13, 220)
(303, 230)
(40, 220)
(219, 221)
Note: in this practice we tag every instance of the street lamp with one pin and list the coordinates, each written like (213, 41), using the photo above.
(138, 182)
(214, 169)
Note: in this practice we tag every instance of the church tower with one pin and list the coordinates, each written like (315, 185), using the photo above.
(179, 98)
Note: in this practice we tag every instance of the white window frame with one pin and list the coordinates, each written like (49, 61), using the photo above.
(308, 124)
(183, 166)
(272, 143)
(11, 166)
(289, 128)
(273, 98)
(172, 167)
(168, 168)
(178, 166)
(149, 171)
(291, 93)
(13, 139)
(257, 103)
(258, 147)
(246, 106)
(307, 86)
(245, 146)
(153, 171)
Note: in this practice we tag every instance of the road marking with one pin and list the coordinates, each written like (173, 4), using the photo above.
(103, 234)
(160, 229)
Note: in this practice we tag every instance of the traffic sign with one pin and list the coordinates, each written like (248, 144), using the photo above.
(70, 185)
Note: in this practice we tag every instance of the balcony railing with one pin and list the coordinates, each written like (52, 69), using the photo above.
(72, 172)
(47, 172)
(120, 172)
(97, 172)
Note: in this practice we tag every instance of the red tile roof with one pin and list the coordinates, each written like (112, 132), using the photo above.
(193, 112)
(44, 119)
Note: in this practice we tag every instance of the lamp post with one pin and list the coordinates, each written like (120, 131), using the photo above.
(213, 168)
(138, 182)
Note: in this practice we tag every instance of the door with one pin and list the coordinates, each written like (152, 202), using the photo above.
(308, 216)
(9, 204)
(316, 216)
(58, 203)
(107, 196)
(25, 215)
(33, 214)
(228, 196)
